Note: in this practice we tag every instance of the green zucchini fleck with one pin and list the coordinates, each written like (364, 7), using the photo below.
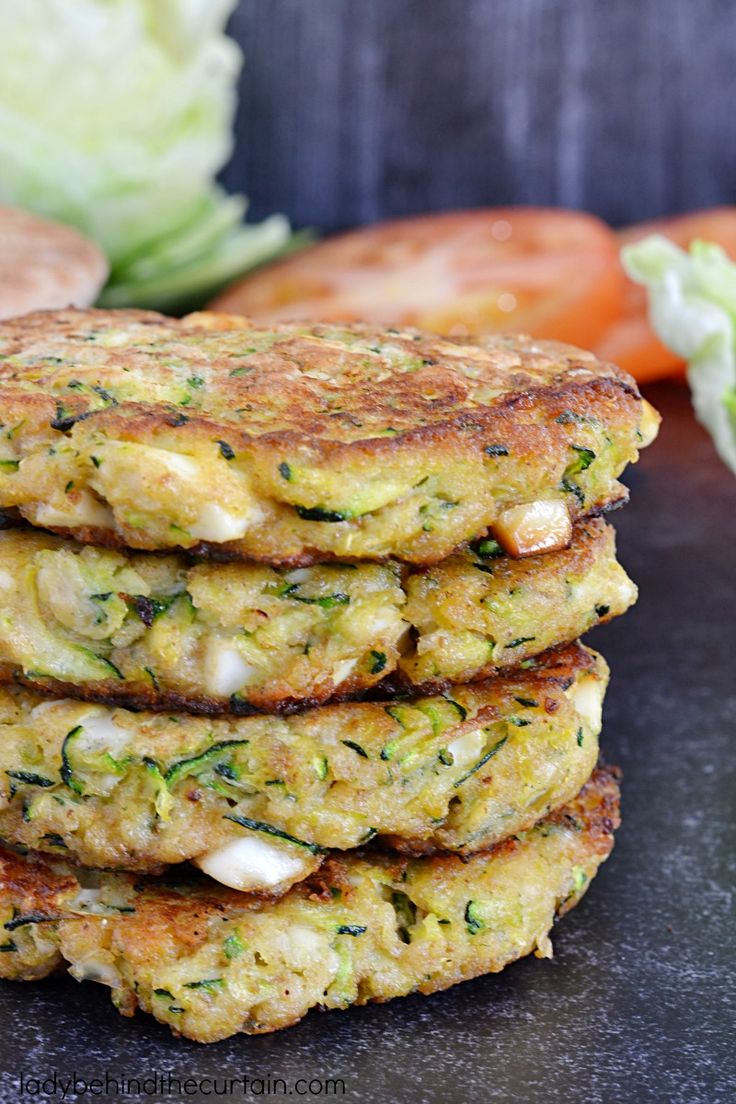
(474, 922)
(211, 985)
(316, 513)
(272, 830)
(406, 914)
(356, 748)
(55, 840)
(195, 763)
(379, 662)
(285, 470)
(9, 465)
(233, 946)
(351, 929)
(585, 458)
(28, 778)
(571, 417)
(321, 766)
(569, 485)
(109, 667)
(67, 771)
(488, 549)
(519, 640)
(329, 601)
(163, 800)
(481, 762)
(20, 920)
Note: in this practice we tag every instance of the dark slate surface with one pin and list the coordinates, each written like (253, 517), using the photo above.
(638, 1005)
(353, 111)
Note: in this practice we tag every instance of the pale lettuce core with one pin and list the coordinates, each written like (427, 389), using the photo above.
(115, 117)
(692, 307)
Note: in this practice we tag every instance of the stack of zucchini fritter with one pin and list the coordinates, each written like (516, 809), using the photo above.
(308, 623)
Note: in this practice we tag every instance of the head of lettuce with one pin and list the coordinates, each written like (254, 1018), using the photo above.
(115, 117)
(692, 307)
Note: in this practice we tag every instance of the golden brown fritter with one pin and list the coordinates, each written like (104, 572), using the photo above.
(135, 791)
(156, 632)
(294, 443)
(368, 927)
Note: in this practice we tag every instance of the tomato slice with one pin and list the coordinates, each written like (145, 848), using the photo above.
(631, 342)
(548, 272)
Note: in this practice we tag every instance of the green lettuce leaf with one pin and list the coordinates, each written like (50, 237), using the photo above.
(115, 117)
(692, 308)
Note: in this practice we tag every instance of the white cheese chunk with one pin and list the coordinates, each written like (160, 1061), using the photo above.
(251, 864)
(85, 510)
(101, 734)
(218, 525)
(342, 670)
(467, 748)
(225, 669)
(586, 694)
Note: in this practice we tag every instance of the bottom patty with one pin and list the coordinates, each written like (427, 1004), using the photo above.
(368, 926)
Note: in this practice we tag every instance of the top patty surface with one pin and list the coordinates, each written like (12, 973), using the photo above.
(296, 443)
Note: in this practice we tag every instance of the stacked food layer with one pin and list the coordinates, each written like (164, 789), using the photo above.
(307, 621)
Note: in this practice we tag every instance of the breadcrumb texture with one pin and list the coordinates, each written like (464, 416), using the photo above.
(136, 791)
(160, 633)
(368, 927)
(295, 443)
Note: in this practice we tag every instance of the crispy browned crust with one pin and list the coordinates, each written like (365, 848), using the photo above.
(137, 696)
(329, 404)
(156, 939)
(40, 886)
(436, 397)
(558, 666)
(230, 551)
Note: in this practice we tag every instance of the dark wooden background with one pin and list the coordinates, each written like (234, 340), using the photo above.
(352, 110)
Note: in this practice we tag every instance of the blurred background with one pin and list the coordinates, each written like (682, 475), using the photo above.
(351, 112)
(201, 147)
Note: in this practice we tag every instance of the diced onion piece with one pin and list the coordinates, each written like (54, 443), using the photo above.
(252, 864)
(542, 526)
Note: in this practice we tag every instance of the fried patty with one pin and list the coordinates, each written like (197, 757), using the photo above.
(368, 927)
(157, 632)
(296, 443)
(267, 795)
